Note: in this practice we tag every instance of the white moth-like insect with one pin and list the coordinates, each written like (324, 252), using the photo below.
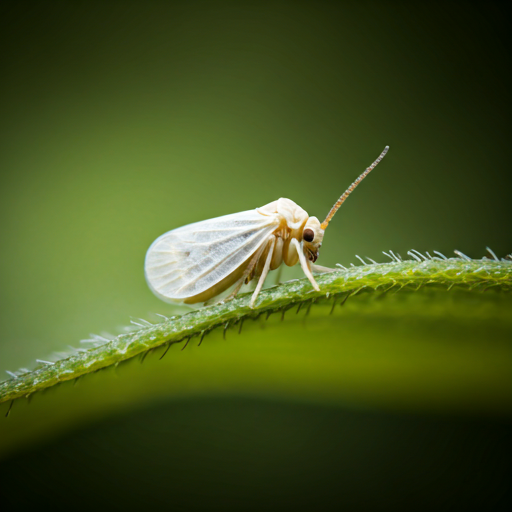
(199, 261)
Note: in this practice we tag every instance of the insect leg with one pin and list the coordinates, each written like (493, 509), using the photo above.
(248, 270)
(305, 264)
(265, 271)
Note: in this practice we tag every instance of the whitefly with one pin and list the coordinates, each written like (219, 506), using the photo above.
(199, 261)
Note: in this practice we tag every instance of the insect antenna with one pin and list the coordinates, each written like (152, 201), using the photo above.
(347, 192)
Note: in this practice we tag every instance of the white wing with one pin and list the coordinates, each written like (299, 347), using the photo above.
(189, 260)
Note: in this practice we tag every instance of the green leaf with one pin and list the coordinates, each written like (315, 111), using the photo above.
(427, 336)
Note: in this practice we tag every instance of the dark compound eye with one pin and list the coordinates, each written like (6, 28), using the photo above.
(308, 235)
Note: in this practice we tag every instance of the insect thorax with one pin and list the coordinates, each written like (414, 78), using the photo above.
(292, 219)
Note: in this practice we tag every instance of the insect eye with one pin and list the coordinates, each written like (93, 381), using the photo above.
(308, 235)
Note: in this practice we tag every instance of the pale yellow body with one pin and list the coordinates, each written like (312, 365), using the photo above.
(180, 253)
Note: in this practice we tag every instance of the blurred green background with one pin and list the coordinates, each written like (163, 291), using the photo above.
(122, 120)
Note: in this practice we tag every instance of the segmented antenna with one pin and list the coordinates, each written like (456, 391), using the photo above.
(347, 192)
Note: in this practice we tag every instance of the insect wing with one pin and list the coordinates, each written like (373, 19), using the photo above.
(189, 260)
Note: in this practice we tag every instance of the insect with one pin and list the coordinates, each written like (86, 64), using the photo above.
(199, 261)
